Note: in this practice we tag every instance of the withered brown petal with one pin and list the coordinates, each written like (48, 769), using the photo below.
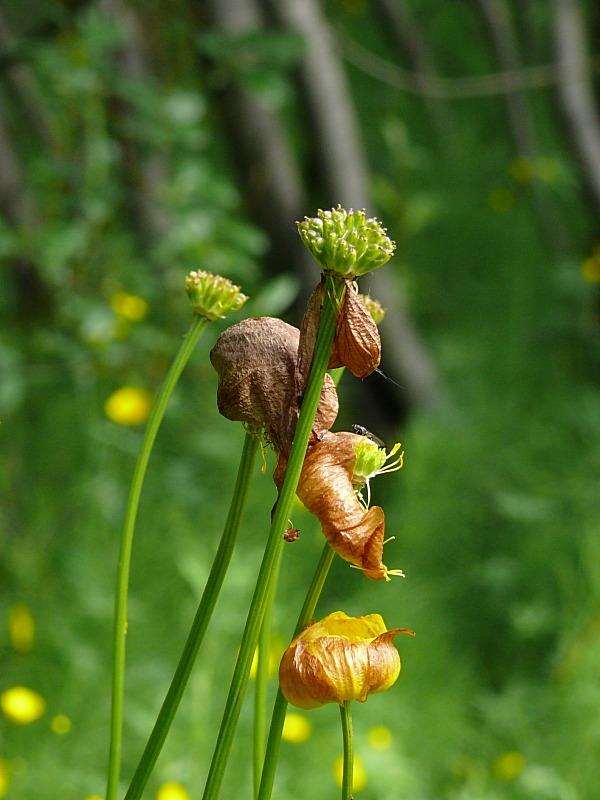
(256, 364)
(357, 344)
(326, 489)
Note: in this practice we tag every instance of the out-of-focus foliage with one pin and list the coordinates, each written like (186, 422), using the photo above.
(127, 185)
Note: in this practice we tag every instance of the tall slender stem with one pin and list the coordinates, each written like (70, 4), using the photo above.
(120, 614)
(280, 707)
(260, 688)
(201, 620)
(275, 540)
(348, 737)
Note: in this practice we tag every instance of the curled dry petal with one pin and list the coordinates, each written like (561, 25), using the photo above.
(357, 344)
(326, 489)
(340, 658)
(256, 364)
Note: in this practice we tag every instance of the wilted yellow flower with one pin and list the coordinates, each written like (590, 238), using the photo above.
(60, 724)
(380, 737)
(172, 791)
(22, 705)
(359, 773)
(129, 406)
(129, 306)
(296, 728)
(508, 766)
(4, 777)
(340, 658)
(21, 628)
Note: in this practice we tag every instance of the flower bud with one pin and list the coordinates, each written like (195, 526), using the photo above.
(212, 296)
(346, 242)
(340, 658)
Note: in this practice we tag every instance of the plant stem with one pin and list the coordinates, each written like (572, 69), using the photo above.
(274, 544)
(280, 707)
(120, 613)
(260, 688)
(348, 737)
(201, 620)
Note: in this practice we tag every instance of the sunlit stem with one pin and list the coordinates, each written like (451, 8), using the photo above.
(201, 620)
(120, 612)
(281, 704)
(333, 294)
(348, 739)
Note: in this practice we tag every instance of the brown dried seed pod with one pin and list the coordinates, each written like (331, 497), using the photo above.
(357, 344)
(326, 489)
(256, 364)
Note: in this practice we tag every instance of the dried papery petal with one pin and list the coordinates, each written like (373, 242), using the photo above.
(357, 344)
(326, 489)
(256, 363)
(340, 658)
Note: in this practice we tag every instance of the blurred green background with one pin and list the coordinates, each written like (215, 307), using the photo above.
(127, 159)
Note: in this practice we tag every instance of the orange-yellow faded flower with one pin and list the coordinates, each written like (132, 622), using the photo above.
(340, 658)
(129, 406)
(21, 627)
(22, 705)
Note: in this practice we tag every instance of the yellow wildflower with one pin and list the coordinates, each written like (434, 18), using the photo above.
(296, 729)
(172, 791)
(4, 777)
(60, 724)
(359, 775)
(508, 766)
(129, 406)
(22, 705)
(21, 628)
(129, 306)
(380, 737)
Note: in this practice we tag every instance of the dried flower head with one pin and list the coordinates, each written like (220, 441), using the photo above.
(346, 242)
(212, 296)
(256, 363)
(340, 658)
(327, 487)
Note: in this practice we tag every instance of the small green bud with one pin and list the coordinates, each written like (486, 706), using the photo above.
(212, 296)
(346, 242)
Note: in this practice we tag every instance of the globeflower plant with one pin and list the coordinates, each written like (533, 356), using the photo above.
(274, 379)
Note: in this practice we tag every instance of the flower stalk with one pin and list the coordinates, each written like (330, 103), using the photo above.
(348, 739)
(310, 403)
(201, 620)
(120, 614)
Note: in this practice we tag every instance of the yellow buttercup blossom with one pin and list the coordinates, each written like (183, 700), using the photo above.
(22, 705)
(380, 737)
(60, 724)
(129, 406)
(4, 777)
(508, 766)
(21, 628)
(172, 791)
(296, 729)
(359, 775)
(129, 306)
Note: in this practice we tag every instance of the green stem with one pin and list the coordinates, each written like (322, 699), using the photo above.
(274, 544)
(201, 620)
(260, 688)
(120, 614)
(348, 737)
(281, 704)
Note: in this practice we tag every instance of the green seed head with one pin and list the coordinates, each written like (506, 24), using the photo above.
(212, 296)
(346, 242)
